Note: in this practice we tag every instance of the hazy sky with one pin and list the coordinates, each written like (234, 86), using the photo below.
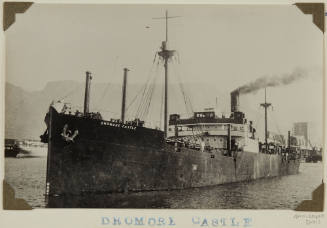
(227, 46)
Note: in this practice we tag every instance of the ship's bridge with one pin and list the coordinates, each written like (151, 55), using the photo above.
(214, 130)
(207, 122)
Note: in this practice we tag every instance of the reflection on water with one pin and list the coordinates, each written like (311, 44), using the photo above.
(27, 177)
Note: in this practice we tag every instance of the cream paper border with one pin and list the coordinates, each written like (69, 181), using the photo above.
(91, 218)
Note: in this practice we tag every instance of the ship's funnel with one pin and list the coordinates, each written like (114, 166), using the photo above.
(235, 101)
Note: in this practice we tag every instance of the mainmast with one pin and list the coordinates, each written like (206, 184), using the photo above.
(124, 95)
(266, 106)
(87, 92)
(166, 54)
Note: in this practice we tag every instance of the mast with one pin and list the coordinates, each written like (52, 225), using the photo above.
(124, 95)
(87, 92)
(166, 54)
(266, 105)
(166, 26)
(166, 96)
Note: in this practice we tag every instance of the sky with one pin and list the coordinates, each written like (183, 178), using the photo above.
(220, 45)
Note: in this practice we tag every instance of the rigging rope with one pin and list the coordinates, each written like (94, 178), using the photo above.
(142, 92)
(188, 103)
(187, 100)
(134, 99)
(146, 96)
(149, 97)
(277, 126)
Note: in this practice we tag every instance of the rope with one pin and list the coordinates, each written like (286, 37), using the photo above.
(188, 104)
(145, 90)
(277, 127)
(149, 97)
(134, 99)
(186, 99)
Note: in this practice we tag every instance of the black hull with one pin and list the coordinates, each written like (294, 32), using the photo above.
(108, 157)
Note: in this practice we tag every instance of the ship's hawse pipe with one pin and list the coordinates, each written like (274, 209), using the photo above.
(87, 92)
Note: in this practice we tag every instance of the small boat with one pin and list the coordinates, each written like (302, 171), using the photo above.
(11, 148)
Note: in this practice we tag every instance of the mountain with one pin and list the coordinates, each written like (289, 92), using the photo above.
(25, 111)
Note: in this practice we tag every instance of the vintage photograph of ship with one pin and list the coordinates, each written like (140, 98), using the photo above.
(164, 106)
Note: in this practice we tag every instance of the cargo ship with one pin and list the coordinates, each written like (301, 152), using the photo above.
(87, 154)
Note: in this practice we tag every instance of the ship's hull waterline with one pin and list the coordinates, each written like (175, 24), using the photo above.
(108, 157)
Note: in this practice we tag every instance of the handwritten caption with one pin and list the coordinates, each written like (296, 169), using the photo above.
(309, 219)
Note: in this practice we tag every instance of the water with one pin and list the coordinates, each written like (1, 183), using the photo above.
(27, 176)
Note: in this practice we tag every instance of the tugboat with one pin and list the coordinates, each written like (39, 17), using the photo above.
(87, 154)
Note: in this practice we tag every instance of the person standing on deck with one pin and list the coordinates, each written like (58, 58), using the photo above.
(202, 144)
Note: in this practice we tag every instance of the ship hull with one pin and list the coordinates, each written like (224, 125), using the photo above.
(106, 157)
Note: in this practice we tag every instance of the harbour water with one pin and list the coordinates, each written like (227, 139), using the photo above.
(26, 174)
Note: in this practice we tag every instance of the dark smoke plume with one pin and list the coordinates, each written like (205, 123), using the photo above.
(272, 81)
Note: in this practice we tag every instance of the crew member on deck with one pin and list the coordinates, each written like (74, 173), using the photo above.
(202, 144)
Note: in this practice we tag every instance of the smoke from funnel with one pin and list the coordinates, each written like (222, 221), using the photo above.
(272, 81)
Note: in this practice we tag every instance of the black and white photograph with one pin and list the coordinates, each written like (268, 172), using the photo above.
(154, 106)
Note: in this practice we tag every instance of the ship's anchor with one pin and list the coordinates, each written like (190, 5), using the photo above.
(67, 134)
